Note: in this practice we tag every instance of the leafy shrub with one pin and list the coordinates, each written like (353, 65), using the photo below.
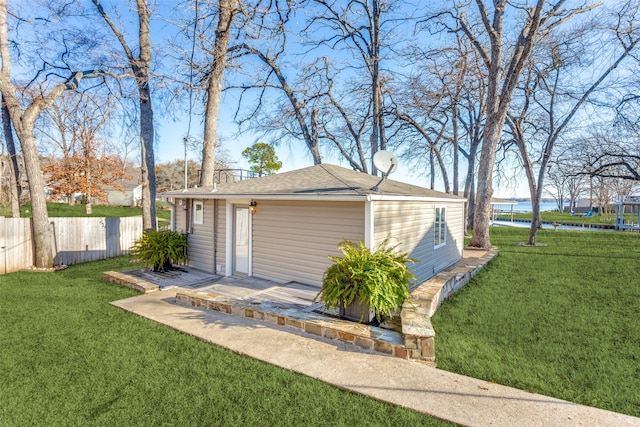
(380, 278)
(161, 249)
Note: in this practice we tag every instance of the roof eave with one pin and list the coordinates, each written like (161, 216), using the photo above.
(389, 197)
(316, 196)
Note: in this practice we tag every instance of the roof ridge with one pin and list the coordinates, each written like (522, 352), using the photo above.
(322, 165)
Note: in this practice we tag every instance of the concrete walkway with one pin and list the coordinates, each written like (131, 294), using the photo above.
(453, 397)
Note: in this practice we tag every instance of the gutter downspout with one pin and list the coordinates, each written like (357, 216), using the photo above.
(172, 224)
(369, 238)
(215, 235)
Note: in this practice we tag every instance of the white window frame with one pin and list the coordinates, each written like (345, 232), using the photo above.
(439, 227)
(198, 208)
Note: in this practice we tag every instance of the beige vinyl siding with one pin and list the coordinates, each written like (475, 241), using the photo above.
(180, 221)
(201, 239)
(291, 240)
(410, 224)
(455, 235)
(220, 235)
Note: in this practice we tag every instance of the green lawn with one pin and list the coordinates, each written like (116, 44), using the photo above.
(562, 320)
(69, 358)
(64, 210)
(567, 217)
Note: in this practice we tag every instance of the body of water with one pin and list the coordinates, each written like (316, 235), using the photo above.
(526, 207)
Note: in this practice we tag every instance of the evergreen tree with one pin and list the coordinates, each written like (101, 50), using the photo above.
(263, 158)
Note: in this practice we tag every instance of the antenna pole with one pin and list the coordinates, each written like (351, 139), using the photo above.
(384, 175)
(186, 141)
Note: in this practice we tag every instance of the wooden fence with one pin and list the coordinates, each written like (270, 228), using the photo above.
(74, 240)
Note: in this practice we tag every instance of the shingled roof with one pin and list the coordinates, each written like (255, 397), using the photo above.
(319, 181)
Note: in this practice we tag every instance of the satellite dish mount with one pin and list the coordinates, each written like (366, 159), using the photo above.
(386, 162)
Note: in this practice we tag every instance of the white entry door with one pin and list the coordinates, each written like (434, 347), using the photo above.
(241, 252)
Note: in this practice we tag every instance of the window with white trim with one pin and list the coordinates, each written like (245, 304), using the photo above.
(198, 212)
(440, 227)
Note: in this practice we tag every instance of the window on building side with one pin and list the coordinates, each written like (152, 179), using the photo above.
(440, 227)
(198, 213)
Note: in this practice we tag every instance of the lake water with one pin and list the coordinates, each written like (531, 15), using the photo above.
(526, 207)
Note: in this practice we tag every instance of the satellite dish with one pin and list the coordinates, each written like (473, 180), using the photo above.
(385, 161)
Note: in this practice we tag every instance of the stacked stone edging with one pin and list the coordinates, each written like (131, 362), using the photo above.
(418, 333)
(130, 282)
(364, 336)
(416, 341)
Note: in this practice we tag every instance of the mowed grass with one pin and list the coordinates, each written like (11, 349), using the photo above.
(70, 358)
(561, 320)
(568, 218)
(64, 210)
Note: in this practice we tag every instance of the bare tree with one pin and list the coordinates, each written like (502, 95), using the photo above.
(140, 66)
(292, 120)
(417, 150)
(444, 94)
(273, 100)
(57, 130)
(360, 27)
(76, 124)
(564, 184)
(344, 120)
(227, 9)
(547, 87)
(170, 175)
(504, 60)
(609, 164)
(606, 155)
(433, 102)
(23, 120)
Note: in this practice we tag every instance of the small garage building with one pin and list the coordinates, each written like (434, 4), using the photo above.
(283, 227)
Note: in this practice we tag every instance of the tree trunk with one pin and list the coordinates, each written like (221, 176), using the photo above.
(14, 194)
(443, 169)
(501, 84)
(484, 192)
(14, 182)
(87, 202)
(148, 170)
(214, 91)
(141, 70)
(41, 232)
(374, 69)
(432, 169)
(24, 125)
(313, 137)
(141, 66)
(534, 191)
(536, 222)
(454, 124)
(469, 184)
(470, 208)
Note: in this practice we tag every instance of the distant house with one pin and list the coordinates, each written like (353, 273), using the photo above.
(130, 195)
(283, 227)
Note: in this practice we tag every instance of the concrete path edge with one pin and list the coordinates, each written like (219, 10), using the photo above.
(445, 395)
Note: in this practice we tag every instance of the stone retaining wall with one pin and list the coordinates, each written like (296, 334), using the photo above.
(419, 336)
(415, 341)
(364, 336)
(124, 279)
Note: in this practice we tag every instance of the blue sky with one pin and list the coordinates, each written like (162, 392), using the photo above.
(293, 155)
(171, 131)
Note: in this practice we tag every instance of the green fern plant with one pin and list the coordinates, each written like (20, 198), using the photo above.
(379, 278)
(161, 249)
